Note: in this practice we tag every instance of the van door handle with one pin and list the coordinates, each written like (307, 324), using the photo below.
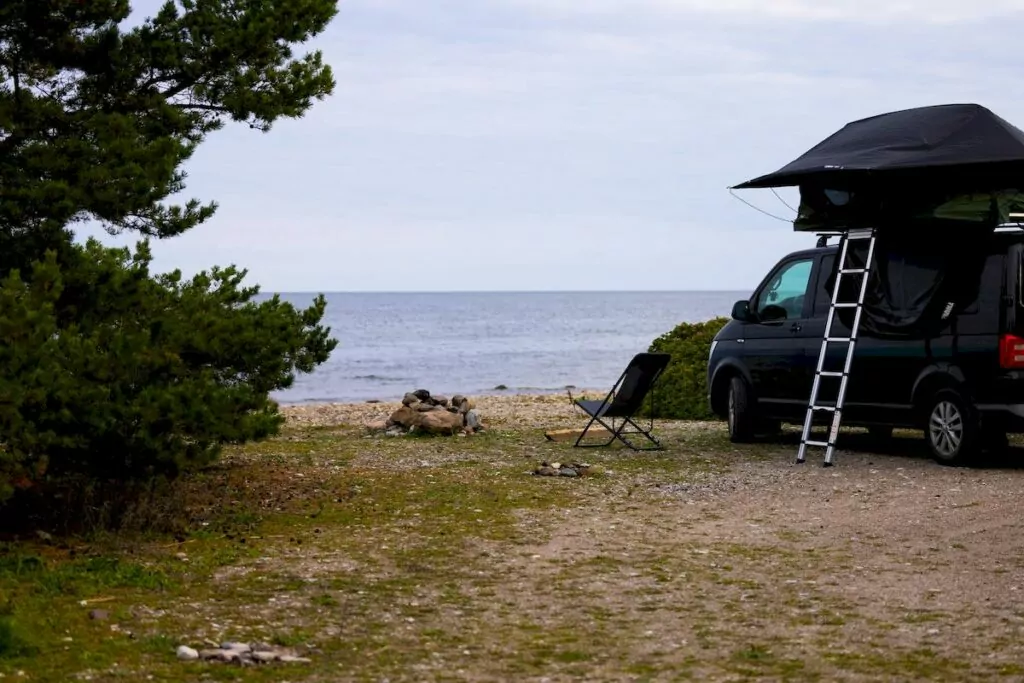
(795, 327)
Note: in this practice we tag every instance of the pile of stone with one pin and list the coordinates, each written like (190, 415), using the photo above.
(558, 469)
(241, 653)
(422, 412)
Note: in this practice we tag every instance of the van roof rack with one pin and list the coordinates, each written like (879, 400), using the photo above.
(823, 237)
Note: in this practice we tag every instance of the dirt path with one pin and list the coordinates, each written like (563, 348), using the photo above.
(887, 566)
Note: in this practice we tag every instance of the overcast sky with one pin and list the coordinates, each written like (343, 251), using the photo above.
(572, 144)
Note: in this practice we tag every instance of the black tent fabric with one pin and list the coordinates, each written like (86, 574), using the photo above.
(961, 146)
(919, 281)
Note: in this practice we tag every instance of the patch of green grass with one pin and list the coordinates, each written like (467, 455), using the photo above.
(754, 653)
(922, 617)
(79, 577)
(921, 664)
(12, 643)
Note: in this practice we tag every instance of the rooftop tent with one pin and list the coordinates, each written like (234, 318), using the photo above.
(962, 143)
(934, 182)
(953, 162)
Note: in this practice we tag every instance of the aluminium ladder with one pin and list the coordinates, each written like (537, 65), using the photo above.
(843, 376)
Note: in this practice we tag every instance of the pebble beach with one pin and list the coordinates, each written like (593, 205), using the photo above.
(521, 410)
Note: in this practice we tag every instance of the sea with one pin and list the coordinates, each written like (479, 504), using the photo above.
(488, 343)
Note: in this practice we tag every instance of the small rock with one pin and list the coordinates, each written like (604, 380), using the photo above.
(43, 536)
(440, 401)
(264, 657)
(501, 387)
(422, 394)
(409, 399)
(556, 465)
(187, 654)
(463, 404)
(99, 615)
(568, 472)
(423, 407)
(236, 647)
(377, 426)
(546, 472)
(405, 417)
(209, 654)
(441, 422)
(374, 400)
(473, 420)
(292, 659)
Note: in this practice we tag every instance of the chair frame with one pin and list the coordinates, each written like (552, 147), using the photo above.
(627, 420)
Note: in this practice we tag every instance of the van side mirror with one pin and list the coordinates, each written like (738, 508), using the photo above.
(741, 311)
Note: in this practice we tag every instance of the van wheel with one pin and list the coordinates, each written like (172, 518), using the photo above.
(741, 414)
(952, 429)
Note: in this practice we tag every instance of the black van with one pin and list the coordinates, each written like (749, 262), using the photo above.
(962, 385)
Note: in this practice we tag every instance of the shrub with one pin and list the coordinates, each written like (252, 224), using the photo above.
(113, 373)
(682, 388)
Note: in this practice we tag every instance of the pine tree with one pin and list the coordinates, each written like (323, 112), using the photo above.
(106, 369)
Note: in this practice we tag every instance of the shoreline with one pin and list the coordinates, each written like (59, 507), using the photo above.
(512, 392)
(528, 410)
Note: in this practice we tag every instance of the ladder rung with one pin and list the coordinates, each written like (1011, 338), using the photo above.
(830, 373)
(853, 304)
(827, 409)
(822, 444)
(860, 234)
(853, 271)
(839, 339)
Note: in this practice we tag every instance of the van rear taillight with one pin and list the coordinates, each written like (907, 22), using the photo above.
(1011, 351)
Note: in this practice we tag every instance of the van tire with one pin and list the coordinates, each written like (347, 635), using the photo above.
(951, 428)
(739, 411)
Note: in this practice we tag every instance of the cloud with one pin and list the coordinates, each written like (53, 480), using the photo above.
(509, 144)
(843, 11)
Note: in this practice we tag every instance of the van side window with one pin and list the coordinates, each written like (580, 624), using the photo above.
(783, 297)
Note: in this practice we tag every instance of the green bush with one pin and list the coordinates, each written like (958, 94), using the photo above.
(153, 380)
(682, 388)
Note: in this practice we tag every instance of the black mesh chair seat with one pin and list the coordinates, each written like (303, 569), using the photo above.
(626, 397)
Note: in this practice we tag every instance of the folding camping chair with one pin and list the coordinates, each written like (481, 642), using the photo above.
(624, 400)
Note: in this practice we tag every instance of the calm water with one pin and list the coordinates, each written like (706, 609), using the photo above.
(471, 343)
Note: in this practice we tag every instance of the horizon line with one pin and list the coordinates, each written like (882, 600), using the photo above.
(505, 291)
